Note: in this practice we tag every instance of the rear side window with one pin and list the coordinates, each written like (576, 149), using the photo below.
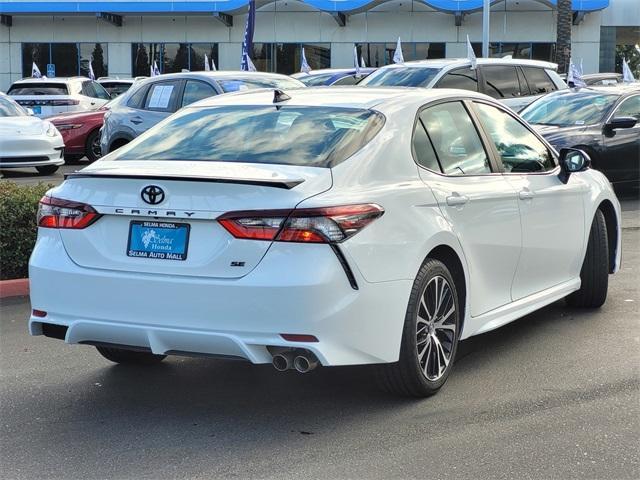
(303, 136)
(538, 80)
(459, 149)
(462, 78)
(195, 90)
(501, 81)
(162, 96)
(39, 89)
(424, 153)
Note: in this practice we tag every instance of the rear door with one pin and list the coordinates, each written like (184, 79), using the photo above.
(622, 146)
(478, 202)
(501, 82)
(552, 212)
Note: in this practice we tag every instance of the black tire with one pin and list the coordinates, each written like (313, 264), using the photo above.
(408, 377)
(72, 159)
(91, 148)
(47, 169)
(130, 357)
(117, 144)
(595, 268)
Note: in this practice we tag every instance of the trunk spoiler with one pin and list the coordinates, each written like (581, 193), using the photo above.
(260, 182)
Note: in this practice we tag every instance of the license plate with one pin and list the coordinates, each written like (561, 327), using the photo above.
(161, 240)
(37, 109)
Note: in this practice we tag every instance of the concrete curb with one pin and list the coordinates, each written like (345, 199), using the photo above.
(14, 288)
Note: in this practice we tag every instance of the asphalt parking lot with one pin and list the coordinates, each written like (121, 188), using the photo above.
(29, 176)
(553, 395)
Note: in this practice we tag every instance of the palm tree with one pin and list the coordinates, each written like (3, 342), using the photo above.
(563, 35)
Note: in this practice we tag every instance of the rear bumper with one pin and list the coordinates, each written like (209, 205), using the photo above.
(299, 289)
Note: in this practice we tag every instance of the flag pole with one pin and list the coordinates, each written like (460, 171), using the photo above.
(486, 9)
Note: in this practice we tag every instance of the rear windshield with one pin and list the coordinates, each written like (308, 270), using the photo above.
(38, 89)
(303, 136)
(570, 109)
(400, 77)
(251, 83)
(316, 80)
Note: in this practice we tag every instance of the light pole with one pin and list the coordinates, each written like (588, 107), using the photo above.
(486, 8)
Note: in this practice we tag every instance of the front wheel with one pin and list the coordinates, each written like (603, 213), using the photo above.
(130, 357)
(594, 274)
(430, 335)
(47, 169)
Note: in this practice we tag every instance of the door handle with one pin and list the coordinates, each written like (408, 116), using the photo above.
(455, 200)
(136, 120)
(526, 194)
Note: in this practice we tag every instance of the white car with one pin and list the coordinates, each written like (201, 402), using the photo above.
(28, 141)
(52, 96)
(322, 227)
(515, 82)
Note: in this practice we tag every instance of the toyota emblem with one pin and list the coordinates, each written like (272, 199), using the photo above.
(152, 194)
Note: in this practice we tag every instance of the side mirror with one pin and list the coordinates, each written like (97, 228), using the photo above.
(573, 160)
(621, 122)
(30, 112)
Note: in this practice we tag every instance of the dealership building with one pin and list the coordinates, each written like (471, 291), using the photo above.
(124, 37)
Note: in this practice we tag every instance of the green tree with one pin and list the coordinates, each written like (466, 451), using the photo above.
(99, 67)
(631, 53)
(141, 61)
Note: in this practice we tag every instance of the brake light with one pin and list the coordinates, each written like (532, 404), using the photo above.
(59, 213)
(307, 225)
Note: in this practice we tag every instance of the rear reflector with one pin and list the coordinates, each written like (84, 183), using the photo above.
(58, 213)
(294, 337)
(38, 313)
(307, 225)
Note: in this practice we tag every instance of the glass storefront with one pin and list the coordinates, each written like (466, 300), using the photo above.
(379, 54)
(70, 59)
(617, 43)
(171, 57)
(528, 50)
(286, 57)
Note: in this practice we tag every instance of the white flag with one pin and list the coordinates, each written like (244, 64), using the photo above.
(304, 65)
(35, 71)
(250, 66)
(207, 68)
(471, 55)
(92, 75)
(356, 64)
(574, 76)
(213, 65)
(397, 55)
(627, 74)
(154, 69)
(362, 64)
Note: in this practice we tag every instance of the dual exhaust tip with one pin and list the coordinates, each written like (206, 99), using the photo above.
(300, 360)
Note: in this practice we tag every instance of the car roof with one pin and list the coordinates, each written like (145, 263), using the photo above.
(617, 89)
(51, 80)
(329, 71)
(221, 75)
(344, 97)
(461, 62)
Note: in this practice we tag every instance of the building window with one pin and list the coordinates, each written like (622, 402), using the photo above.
(69, 59)
(379, 54)
(171, 57)
(617, 43)
(527, 50)
(286, 57)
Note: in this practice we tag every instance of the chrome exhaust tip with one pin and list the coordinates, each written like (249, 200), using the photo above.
(282, 361)
(305, 363)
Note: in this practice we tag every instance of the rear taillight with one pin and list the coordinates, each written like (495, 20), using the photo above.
(308, 225)
(68, 126)
(59, 213)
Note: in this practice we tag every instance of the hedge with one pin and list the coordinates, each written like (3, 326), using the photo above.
(18, 208)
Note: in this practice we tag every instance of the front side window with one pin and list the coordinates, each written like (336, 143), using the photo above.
(100, 92)
(195, 90)
(455, 140)
(302, 136)
(136, 99)
(629, 108)
(461, 78)
(162, 96)
(520, 150)
(501, 81)
(401, 77)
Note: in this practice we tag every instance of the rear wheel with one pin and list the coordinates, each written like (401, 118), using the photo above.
(595, 268)
(92, 146)
(47, 169)
(130, 357)
(430, 335)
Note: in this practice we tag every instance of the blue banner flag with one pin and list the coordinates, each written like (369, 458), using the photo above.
(247, 42)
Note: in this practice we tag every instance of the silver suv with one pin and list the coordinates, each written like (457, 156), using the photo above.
(514, 82)
(51, 96)
(149, 101)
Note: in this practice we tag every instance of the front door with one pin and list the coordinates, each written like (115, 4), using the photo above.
(478, 203)
(552, 212)
(621, 152)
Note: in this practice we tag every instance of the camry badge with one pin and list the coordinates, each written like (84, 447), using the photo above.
(152, 194)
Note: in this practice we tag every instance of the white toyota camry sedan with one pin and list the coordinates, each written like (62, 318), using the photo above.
(322, 227)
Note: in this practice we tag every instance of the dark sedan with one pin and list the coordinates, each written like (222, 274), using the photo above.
(604, 122)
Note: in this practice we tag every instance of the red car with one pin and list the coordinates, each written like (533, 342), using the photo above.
(81, 133)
